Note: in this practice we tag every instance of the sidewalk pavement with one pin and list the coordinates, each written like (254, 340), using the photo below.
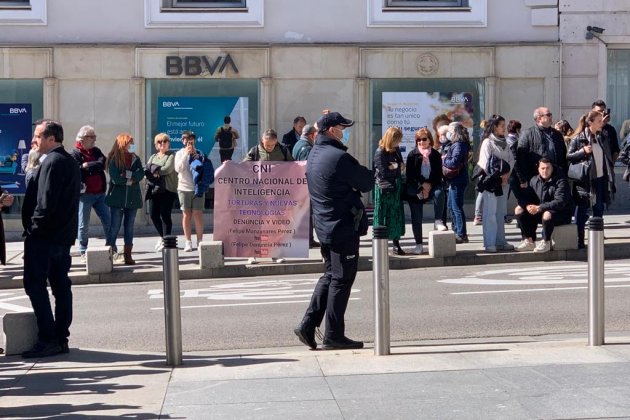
(149, 262)
(550, 377)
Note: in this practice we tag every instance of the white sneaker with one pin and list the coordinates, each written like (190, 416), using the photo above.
(278, 260)
(439, 225)
(252, 260)
(524, 246)
(543, 246)
(188, 247)
(419, 249)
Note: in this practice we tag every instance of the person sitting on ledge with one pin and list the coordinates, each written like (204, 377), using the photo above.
(546, 200)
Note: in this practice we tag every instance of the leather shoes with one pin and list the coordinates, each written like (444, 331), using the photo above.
(42, 349)
(398, 251)
(314, 244)
(342, 344)
(306, 334)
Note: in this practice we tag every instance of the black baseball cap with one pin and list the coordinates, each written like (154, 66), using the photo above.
(332, 119)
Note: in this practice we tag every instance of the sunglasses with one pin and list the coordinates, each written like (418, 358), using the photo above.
(548, 114)
(161, 142)
(423, 139)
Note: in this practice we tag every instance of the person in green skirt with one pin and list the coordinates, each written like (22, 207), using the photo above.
(388, 206)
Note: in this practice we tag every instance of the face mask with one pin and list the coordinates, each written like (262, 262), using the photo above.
(132, 148)
(449, 136)
(346, 137)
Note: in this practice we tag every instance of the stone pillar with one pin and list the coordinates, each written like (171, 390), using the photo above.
(360, 143)
(137, 128)
(267, 103)
(491, 97)
(51, 98)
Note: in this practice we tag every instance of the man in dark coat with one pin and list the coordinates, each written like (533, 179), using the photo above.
(608, 131)
(335, 183)
(50, 220)
(547, 200)
(537, 142)
(293, 136)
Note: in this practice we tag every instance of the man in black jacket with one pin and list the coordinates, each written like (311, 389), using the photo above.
(539, 141)
(547, 200)
(293, 136)
(335, 183)
(50, 220)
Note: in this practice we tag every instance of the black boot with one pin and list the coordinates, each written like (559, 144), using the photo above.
(581, 240)
(397, 250)
(306, 334)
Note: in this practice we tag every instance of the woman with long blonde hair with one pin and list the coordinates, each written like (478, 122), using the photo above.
(123, 195)
(388, 166)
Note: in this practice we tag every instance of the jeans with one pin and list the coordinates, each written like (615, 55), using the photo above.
(44, 260)
(86, 203)
(494, 209)
(332, 292)
(117, 220)
(161, 208)
(456, 205)
(479, 205)
(416, 209)
(598, 186)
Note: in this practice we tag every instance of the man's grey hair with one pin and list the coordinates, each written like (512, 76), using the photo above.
(308, 129)
(84, 131)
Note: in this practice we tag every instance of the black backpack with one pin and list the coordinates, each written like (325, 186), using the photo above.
(225, 138)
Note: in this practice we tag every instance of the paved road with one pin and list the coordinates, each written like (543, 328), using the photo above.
(457, 302)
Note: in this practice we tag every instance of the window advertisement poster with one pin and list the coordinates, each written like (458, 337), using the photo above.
(413, 110)
(203, 116)
(16, 132)
(261, 209)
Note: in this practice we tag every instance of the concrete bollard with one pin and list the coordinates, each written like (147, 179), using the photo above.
(20, 332)
(210, 254)
(99, 260)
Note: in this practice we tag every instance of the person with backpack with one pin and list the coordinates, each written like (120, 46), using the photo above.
(226, 136)
(268, 150)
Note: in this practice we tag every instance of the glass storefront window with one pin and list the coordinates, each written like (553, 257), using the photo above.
(619, 87)
(413, 103)
(199, 105)
(18, 97)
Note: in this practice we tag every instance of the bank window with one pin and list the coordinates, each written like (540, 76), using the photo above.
(426, 3)
(22, 12)
(199, 5)
(15, 4)
(427, 13)
(203, 13)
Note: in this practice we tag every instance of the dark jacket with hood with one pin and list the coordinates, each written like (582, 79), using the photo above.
(551, 195)
(335, 183)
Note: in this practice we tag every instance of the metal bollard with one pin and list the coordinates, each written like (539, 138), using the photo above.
(380, 271)
(595, 281)
(172, 310)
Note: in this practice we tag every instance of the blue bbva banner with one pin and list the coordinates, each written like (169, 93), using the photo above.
(203, 115)
(15, 141)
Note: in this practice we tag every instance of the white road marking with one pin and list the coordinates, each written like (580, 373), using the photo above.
(226, 305)
(548, 289)
(270, 292)
(11, 307)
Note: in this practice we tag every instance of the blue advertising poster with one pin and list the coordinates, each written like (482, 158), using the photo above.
(15, 140)
(203, 115)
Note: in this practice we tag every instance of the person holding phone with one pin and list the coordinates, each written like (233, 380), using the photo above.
(608, 131)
